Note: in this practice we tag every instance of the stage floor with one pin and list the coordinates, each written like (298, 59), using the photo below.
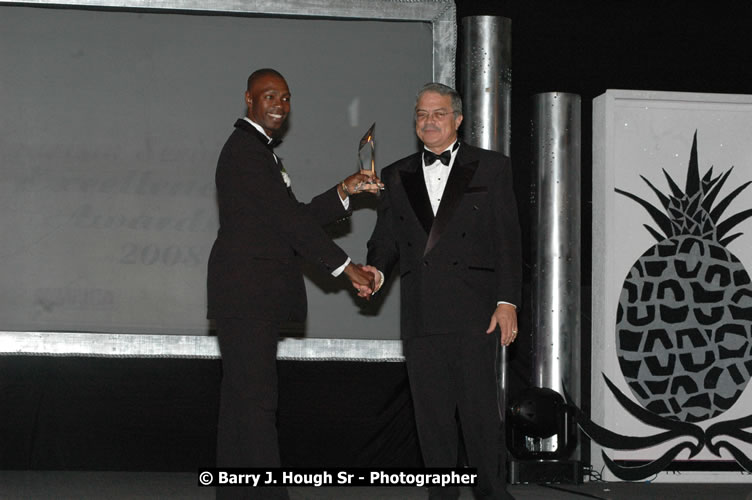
(162, 485)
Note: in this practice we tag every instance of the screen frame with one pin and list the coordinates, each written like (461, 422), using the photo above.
(441, 14)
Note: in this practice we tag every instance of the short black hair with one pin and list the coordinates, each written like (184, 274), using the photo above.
(259, 73)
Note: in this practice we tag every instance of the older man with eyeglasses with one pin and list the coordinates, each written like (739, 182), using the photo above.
(448, 222)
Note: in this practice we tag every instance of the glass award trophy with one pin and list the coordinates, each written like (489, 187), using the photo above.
(367, 153)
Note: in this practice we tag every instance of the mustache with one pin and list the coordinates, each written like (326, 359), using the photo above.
(427, 128)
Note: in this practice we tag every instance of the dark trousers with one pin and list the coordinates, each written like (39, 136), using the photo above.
(454, 389)
(247, 424)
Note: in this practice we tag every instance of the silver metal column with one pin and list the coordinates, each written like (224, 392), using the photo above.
(486, 87)
(486, 83)
(556, 244)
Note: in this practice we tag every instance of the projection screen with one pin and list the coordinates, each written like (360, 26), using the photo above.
(114, 114)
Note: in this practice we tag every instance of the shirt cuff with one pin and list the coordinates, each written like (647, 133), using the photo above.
(341, 268)
(502, 302)
(382, 282)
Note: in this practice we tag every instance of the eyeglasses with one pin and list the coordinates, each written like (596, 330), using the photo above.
(438, 115)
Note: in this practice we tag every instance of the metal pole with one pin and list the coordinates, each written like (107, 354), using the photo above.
(486, 88)
(556, 244)
(486, 83)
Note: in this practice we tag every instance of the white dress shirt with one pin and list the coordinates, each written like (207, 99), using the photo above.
(436, 175)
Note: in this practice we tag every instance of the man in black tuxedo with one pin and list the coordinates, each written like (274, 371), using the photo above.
(448, 219)
(254, 277)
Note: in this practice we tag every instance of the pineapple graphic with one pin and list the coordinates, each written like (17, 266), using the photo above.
(684, 321)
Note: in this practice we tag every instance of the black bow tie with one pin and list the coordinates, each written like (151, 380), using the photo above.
(429, 157)
(273, 143)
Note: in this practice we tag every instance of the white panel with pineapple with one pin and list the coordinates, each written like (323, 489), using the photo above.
(672, 253)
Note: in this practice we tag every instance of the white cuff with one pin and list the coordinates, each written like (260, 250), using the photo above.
(379, 287)
(341, 268)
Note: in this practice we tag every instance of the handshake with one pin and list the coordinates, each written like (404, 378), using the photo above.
(366, 279)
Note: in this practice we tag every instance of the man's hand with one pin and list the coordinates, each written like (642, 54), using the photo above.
(363, 281)
(378, 279)
(362, 182)
(505, 316)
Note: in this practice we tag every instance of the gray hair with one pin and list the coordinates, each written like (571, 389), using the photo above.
(442, 89)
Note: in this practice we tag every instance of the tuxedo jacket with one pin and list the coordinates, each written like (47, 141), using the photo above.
(456, 266)
(254, 266)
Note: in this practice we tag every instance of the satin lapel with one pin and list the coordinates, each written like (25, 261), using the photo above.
(281, 168)
(244, 125)
(275, 164)
(415, 188)
(460, 176)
